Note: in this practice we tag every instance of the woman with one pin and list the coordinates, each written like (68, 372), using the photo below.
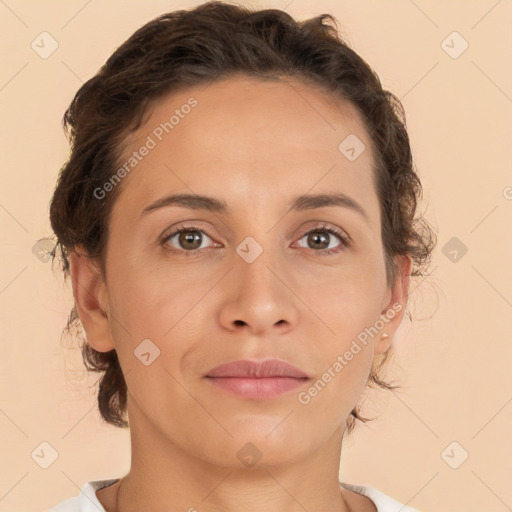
(237, 218)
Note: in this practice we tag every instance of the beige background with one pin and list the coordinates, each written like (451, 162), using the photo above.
(454, 359)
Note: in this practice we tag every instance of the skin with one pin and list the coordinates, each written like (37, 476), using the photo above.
(256, 145)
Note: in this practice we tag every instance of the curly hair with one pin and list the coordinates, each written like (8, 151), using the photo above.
(212, 42)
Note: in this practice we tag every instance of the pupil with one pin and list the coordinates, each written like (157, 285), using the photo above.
(190, 237)
(192, 240)
(316, 237)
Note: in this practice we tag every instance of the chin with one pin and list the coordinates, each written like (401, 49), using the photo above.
(255, 449)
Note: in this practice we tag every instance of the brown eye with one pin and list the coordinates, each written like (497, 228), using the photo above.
(318, 240)
(323, 240)
(190, 239)
(186, 239)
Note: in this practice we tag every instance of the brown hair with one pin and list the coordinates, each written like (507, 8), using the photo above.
(211, 42)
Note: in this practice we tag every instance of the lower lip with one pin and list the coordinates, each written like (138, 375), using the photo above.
(264, 387)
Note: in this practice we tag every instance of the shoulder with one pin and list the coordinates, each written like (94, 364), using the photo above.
(86, 501)
(382, 502)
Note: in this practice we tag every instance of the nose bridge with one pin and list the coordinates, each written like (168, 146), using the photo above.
(258, 263)
(257, 298)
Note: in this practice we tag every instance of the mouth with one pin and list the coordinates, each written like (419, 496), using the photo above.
(257, 379)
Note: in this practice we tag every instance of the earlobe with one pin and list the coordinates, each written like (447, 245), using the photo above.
(91, 299)
(383, 343)
(394, 312)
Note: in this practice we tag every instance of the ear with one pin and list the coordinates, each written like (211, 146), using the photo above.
(91, 299)
(394, 305)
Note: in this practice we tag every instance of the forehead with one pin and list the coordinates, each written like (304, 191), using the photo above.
(252, 143)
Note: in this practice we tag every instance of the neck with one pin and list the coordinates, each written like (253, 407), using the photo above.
(166, 477)
(126, 504)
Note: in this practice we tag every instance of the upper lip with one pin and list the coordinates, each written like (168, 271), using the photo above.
(257, 369)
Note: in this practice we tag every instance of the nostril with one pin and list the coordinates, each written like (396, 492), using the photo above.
(239, 322)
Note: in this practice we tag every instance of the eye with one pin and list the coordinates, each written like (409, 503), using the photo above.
(321, 239)
(186, 239)
(190, 240)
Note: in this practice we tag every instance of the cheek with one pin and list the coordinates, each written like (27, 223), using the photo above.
(344, 365)
(152, 301)
(337, 389)
(347, 308)
(346, 301)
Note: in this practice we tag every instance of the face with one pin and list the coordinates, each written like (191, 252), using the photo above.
(261, 273)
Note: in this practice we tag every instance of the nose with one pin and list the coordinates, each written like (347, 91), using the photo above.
(259, 298)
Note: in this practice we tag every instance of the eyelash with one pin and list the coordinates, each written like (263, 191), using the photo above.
(345, 240)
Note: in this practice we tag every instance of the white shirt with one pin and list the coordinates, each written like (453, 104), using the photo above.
(87, 501)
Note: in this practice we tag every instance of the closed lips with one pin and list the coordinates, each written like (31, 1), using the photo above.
(257, 369)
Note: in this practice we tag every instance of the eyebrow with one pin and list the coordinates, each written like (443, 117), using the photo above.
(299, 203)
